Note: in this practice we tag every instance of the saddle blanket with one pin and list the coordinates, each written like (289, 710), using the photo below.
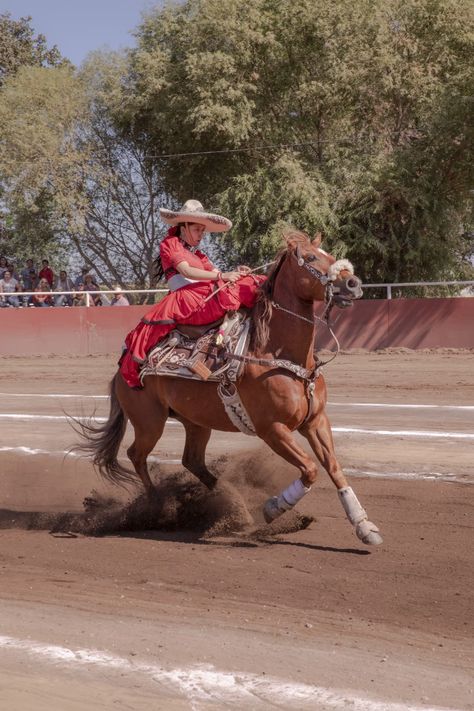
(205, 357)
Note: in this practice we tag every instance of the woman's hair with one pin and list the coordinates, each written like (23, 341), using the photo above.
(158, 271)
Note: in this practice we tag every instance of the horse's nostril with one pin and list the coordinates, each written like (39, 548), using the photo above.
(353, 283)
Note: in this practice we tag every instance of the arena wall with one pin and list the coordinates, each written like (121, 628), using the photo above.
(371, 325)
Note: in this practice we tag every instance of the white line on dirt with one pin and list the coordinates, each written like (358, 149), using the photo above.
(402, 406)
(205, 683)
(351, 430)
(77, 395)
(406, 433)
(431, 476)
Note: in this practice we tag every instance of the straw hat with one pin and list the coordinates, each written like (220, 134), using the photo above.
(193, 211)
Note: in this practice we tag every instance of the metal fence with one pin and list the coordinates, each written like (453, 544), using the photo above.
(389, 288)
(88, 296)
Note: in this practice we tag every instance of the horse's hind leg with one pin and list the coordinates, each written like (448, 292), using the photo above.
(148, 430)
(194, 453)
(319, 435)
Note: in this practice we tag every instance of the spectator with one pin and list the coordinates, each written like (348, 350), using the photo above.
(3, 266)
(13, 272)
(79, 298)
(64, 283)
(9, 285)
(79, 281)
(29, 277)
(118, 299)
(42, 300)
(91, 285)
(47, 273)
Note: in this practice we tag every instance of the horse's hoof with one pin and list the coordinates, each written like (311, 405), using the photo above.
(368, 533)
(271, 509)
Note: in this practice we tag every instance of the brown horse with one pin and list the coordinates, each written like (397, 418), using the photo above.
(280, 388)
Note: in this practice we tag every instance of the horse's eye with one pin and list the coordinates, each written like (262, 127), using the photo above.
(311, 258)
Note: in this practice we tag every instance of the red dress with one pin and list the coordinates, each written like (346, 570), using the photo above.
(185, 305)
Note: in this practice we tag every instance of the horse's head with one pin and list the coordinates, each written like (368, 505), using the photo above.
(317, 275)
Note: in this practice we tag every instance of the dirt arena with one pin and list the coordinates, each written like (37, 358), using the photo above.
(171, 610)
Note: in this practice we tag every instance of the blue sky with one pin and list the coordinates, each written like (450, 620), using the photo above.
(79, 26)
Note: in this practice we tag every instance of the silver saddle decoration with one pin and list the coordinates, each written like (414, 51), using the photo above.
(206, 358)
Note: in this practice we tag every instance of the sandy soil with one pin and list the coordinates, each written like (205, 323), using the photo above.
(373, 629)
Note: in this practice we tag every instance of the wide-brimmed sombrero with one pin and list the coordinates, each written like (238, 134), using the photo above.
(193, 211)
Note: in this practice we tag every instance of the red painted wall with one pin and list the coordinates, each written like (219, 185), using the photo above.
(409, 323)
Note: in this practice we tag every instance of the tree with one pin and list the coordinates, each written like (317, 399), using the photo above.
(63, 156)
(24, 230)
(20, 47)
(332, 117)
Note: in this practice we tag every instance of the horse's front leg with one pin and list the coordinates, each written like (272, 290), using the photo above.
(319, 435)
(280, 439)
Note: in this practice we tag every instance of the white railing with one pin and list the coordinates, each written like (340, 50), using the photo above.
(389, 287)
(87, 295)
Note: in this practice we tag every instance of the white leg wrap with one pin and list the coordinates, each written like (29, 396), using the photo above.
(277, 505)
(351, 505)
(292, 494)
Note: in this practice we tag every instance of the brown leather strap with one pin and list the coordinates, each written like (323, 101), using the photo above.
(163, 322)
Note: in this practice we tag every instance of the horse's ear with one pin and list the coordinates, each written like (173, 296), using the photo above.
(295, 237)
(317, 239)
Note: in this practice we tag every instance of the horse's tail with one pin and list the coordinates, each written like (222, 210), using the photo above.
(102, 442)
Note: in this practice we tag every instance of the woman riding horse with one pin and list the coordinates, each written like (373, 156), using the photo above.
(192, 278)
(281, 387)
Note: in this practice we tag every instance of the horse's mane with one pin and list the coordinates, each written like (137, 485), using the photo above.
(262, 311)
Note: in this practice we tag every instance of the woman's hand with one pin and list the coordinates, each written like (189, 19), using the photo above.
(243, 270)
(231, 276)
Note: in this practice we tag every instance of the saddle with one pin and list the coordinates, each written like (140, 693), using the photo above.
(202, 353)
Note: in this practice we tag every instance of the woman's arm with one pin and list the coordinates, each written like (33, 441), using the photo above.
(203, 275)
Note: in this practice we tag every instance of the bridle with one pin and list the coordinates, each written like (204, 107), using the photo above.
(326, 279)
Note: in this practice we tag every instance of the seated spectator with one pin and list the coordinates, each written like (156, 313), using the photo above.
(79, 298)
(118, 299)
(13, 272)
(3, 266)
(91, 285)
(63, 283)
(9, 285)
(29, 276)
(79, 281)
(47, 273)
(41, 300)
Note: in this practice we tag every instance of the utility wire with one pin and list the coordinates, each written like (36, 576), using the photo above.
(259, 148)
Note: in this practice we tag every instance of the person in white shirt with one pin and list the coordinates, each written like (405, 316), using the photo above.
(118, 299)
(8, 286)
(63, 283)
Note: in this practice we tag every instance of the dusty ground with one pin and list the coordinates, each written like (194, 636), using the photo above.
(304, 620)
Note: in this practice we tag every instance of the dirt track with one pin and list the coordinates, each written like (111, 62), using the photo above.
(369, 629)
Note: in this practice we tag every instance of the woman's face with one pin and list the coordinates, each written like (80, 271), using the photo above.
(192, 233)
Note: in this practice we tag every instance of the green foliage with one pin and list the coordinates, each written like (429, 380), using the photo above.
(20, 47)
(69, 171)
(346, 117)
(27, 224)
(40, 112)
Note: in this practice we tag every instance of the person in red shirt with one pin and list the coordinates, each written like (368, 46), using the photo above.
(192, 278)
(46, 273)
